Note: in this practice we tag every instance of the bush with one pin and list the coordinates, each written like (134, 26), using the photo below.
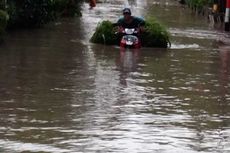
(199, 3)
(34, 13)
(3, 22)
(28, 13)
(155, 34)
(67, 7)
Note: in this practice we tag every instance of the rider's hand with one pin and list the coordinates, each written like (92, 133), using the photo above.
(120, 29)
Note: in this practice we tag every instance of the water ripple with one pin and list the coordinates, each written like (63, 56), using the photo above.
(15, 146)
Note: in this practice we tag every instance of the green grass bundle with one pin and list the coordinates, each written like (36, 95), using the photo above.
(155, 35)
(105, 34)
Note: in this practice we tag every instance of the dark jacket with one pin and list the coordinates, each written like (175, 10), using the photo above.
(136, 22)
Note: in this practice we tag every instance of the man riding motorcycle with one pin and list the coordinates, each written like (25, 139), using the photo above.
(129, 21)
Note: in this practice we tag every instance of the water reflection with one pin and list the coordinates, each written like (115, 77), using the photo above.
(128, 62)
(35, 88)
(224, 54)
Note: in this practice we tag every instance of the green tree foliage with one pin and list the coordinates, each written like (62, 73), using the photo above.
(199, 3)
(2, 4)
(3, 22)
(29, 13)
(67, 7)
(33, 13)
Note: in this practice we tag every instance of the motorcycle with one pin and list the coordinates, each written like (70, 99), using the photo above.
(130, 38)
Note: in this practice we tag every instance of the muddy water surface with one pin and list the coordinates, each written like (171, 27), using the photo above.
(59, 93)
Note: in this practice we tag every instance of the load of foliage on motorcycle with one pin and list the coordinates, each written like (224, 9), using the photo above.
(154, 35)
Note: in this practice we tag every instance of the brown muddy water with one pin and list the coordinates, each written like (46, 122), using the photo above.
(60, 94)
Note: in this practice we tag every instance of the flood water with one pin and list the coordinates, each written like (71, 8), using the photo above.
(60, 94)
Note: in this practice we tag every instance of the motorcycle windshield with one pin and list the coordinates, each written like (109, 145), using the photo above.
(129, 31)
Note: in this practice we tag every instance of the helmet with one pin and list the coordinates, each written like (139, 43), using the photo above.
(126, 11)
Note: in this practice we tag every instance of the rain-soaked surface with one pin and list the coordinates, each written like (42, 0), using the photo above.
(60, 93)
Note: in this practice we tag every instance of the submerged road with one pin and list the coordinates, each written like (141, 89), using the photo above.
(60, 93)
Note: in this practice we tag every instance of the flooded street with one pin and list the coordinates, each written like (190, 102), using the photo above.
(60, 93)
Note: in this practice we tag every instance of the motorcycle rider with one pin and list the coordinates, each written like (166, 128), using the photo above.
(129, 21)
